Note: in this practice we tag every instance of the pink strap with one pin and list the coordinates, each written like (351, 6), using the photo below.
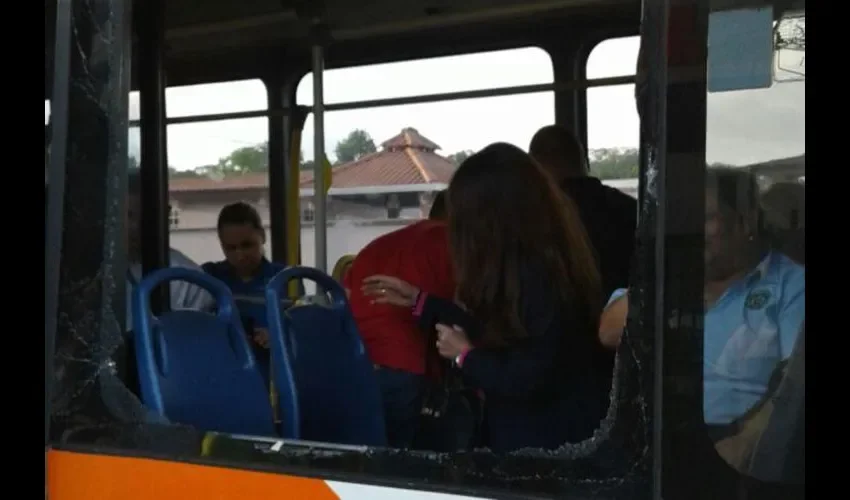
(462, 357)
(419, 303)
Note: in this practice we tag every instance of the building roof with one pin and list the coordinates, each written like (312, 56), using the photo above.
(407, 159)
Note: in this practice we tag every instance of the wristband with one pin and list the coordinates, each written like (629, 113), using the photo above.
(460, 357)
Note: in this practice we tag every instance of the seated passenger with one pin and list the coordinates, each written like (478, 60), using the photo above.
(530, 291)
(182, 295)
(755, 303)
(246, 271)
(342, 266)
(784, 209)
(418, 253)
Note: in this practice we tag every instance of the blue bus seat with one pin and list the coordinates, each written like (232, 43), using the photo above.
(337, 392)
(195, 367)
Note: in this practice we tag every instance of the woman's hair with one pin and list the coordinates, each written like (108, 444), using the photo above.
(238, 214)
(508, 218)
(438, 206)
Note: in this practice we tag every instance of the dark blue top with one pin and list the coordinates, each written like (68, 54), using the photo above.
(541, 392)
(250, 296)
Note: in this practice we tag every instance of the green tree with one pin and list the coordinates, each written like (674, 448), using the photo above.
(246, 160)
(356, 144)
(614, 163)
(460, 156)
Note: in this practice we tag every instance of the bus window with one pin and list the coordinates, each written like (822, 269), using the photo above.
(215, 163)
(612, 122)
(483, 70)
(389, 161)
(754, 348)
(215, 98)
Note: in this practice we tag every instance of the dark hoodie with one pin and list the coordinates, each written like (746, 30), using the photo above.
(610, 218)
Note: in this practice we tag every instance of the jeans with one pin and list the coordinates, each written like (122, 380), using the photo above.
(401, 393)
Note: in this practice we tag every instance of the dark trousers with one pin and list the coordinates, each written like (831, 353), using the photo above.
(401, 393)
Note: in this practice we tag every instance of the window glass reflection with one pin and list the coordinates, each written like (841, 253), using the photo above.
(754, 261)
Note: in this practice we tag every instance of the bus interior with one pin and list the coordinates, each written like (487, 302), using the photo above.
(137, 85)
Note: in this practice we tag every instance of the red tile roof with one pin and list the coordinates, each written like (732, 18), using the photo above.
(408, 158)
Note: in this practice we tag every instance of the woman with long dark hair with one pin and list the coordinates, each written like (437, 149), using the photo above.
(523, 325)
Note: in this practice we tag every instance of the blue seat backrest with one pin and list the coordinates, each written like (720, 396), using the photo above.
(196, 367)
(337, 391)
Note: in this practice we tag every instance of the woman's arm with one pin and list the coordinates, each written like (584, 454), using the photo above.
(613, 320)
(430, 310)
(521, 371)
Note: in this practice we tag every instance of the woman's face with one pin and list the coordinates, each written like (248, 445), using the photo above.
(242, 245)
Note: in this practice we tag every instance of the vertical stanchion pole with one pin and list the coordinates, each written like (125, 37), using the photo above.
(319, 193)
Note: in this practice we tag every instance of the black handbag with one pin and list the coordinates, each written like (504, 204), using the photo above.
(451, 413)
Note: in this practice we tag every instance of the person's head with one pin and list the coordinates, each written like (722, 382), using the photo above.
(732, 229)
(784, 206)
(343, 265)
(507, 218)
(242, 236)
(558, 150)
(132, 222)
(784, 218)
(438, 206)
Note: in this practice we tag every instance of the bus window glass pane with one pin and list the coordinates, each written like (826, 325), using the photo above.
(613, 126)
(498, 69)
(210, 165)
(613, 57)
(374, 197)
(755, 256)
(135, 113)
(46, 136)
(215, 98)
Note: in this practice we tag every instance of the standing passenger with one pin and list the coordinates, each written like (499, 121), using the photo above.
(418, 253)
(531, 299)
(608, 214)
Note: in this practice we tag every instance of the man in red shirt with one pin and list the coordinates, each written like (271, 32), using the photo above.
(418, 254)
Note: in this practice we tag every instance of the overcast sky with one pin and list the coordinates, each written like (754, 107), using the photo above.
(744, 126)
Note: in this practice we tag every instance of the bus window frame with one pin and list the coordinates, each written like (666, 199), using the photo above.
(673, 159)
(462, 487)
(655, 143)
(586, 48)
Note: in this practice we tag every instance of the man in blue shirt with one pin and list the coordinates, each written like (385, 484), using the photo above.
(755, 301)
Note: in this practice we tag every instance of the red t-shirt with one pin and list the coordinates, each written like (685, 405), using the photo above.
(419, 255)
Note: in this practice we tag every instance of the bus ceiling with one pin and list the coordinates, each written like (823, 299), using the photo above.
(230, 40)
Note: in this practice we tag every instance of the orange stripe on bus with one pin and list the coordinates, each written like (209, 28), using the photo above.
(79, 476)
